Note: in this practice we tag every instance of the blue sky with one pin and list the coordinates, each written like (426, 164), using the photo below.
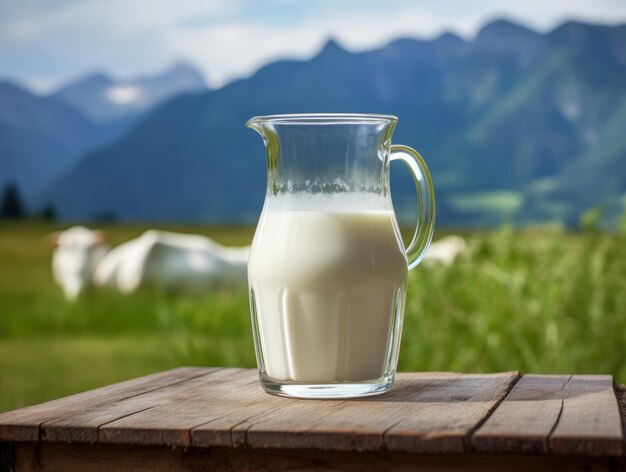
(46, 42)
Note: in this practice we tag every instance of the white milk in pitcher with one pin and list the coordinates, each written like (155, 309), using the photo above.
(326, 289)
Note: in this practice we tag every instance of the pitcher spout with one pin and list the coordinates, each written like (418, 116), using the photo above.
(270, 139)
(256, 123)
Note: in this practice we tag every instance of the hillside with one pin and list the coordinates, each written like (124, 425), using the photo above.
(103, 98)
(508, 122)
(41, 138)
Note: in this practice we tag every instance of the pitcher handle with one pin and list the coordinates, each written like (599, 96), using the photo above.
(425, 202)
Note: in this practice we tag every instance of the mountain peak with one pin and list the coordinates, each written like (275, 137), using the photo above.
(181, 70)
(500, 28)
(181, 67)
(503, 37)
(103, 98)
(572, 27)
(449, 38)
(96, 79)
(331, 47)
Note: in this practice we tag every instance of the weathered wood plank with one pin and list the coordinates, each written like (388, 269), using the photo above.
(443, 415)
(301, 424)
(170, 422)
(416, 406)
(287, 427)
(248, 404)
(83, 425)
(524, 420)
(62, 457)
(620, 393)
(23, 424)
(424, 413)
(590, 421)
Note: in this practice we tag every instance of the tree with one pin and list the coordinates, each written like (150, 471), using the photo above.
(11, 206)
(48, 213)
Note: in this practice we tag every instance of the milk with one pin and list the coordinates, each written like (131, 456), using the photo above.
(326, 287)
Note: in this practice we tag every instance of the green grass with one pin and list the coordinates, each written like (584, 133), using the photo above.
(538, 301)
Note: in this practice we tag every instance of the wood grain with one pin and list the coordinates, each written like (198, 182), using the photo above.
(620, 393)
(524, 420)
(249, 404)
(320, 424)
(83, 425)
(287, 427)
(424, 414)
(590, 421)
(23, 424)
(443, 415)
(61, 457)
(171, 420)
(364, 425)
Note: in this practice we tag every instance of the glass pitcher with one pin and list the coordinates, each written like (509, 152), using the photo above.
(327, 271)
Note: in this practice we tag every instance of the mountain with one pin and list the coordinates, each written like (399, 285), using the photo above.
(41, 138)
(592, 97)
(511, 123)
(103, 98)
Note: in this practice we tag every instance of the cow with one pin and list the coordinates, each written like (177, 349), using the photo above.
(170, 261)
(78, 251)
(181, 263)
(174, 262)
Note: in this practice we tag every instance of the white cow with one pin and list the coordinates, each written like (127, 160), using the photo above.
(171, 261)
(445, 250)
(175, 262)
(77, 253)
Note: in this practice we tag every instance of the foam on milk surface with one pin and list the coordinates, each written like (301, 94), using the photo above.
(326, 288)
(354, 202)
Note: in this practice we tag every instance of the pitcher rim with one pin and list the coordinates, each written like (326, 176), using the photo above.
(324, 118)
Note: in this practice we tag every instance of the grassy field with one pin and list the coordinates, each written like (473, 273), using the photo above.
(538, 301)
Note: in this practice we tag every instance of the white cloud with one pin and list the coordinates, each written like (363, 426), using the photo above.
(229, 38)
(237, 49)
(116, 16)
(546, 14)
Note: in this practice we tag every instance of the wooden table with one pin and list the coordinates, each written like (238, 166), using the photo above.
(193, 419)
